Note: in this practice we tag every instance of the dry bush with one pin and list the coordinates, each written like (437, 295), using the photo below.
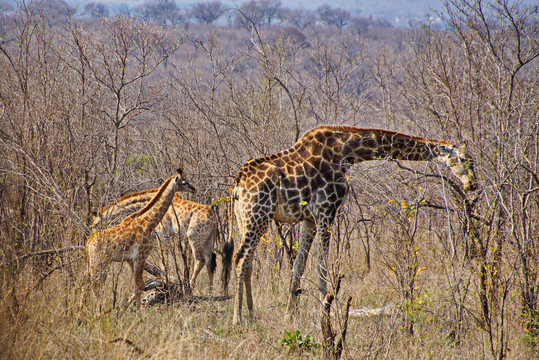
(93, 109)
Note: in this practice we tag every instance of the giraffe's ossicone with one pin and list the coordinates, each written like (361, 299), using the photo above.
(307, 184)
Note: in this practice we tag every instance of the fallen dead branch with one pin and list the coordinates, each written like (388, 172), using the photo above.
(163, 292)
(157, 272)
(135, 348)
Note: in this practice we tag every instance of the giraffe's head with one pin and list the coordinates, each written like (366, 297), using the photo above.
(181, 184)
(461, 165)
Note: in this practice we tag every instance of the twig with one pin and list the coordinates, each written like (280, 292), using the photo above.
(340, 343)
(333, 350)
(440, 176)
(50, 251)
(38, 282)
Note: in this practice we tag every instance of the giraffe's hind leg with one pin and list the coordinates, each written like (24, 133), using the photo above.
(202, 241)
(239, 262)
(248, 289)
(195, 241)
(199, 264)
(242, 260)
(98, 285)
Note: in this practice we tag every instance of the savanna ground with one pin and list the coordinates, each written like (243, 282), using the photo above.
(92, 109)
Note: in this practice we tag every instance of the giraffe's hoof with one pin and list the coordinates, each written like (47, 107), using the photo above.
(236, 320)
(289, 317)
(292, 306)
(292, 310)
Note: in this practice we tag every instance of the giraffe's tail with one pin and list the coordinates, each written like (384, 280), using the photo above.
(228, 247)
(226, 258)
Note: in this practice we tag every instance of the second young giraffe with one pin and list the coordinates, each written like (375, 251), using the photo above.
(187, 219)
(307, 184)
(131, 240)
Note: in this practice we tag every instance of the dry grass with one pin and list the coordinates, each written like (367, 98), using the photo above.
(50, 323)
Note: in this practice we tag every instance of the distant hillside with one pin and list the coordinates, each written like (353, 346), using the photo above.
(396, 11)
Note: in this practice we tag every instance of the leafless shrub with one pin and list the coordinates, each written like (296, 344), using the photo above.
(91, 109)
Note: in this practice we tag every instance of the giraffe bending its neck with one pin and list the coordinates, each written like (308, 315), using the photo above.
(131, 240)
(307, 184)
(188, 219)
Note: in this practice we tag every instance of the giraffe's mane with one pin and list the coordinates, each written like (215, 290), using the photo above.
(336, 128)
(138, 193)
(126, 197)
(351, 129)
(153, 200)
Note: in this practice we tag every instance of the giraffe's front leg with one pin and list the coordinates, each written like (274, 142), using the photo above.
(97, 283)
(137, 268)
(323, 251)
(199, 265)
(308, 231)
(139, 282)
(86, 285)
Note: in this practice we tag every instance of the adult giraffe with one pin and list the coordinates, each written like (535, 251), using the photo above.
(307, 183)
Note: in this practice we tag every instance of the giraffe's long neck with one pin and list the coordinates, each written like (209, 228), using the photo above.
(379, 145)
(356, 145)
(345, 146)
(158, 205)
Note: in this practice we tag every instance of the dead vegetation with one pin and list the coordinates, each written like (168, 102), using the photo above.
(94, 109)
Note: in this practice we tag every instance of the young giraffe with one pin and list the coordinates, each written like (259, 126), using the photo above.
(189, 219)
(131, 240)
(307, 183)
